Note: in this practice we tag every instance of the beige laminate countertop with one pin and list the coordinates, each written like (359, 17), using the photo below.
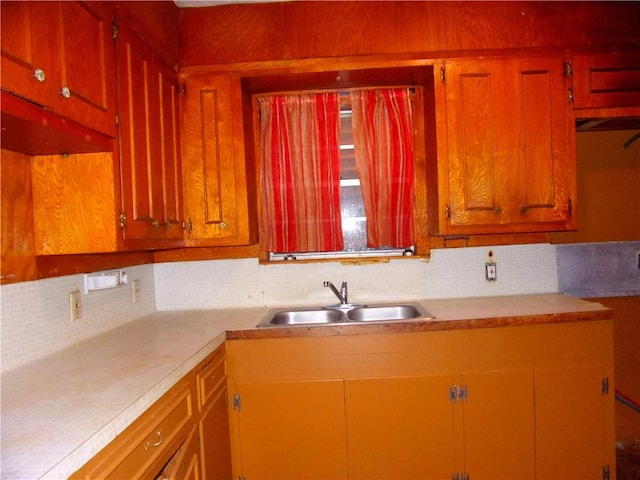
(60, 411)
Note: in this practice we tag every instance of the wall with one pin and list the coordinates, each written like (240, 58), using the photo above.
(36, 315)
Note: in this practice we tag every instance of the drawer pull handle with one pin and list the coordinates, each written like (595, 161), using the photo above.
(148, 445)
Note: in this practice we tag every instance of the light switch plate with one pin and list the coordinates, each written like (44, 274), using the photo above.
(74, 305)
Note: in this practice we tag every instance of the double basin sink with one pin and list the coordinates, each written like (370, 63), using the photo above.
(344, 314)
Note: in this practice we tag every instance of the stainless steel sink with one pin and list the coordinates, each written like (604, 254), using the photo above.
(304, 317)
(346, 316)
(385, 313)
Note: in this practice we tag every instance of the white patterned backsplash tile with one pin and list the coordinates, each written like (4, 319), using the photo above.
(450, 273)
(36, 315)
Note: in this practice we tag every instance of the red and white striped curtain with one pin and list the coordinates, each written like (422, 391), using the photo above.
(300, 172)
(383, 140)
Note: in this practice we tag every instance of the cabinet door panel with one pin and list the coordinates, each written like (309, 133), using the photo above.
(29, 42)
(87, 67)
(215, 177)
(510, 164)
(215, 443)
(400, 428)
(293, 430)
(571, 420)
(499, 425)
(168, 89)
(135, 97)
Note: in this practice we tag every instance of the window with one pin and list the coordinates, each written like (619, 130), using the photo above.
(339, 193)
(335, 180)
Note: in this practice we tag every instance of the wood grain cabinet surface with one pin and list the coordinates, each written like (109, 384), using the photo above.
(497, 403)
(216, 180)
(61, 55)
(509, 165)
(606, 80)
(149, 145)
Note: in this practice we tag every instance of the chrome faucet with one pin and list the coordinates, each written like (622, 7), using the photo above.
(342, 294)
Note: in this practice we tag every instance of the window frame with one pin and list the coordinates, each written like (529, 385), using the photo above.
(420, 79)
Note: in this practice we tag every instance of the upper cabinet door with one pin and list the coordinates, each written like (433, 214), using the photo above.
(87, 88)
(606, 80)
(217, 185)
(510, 164)
(61, 55)
(29, 50)
(149, 142)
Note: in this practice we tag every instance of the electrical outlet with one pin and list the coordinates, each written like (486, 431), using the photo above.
(135, 290)
(491, 271)
(74, 305)
(638, 259)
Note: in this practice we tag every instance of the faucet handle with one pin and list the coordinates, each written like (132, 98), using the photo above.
(343, 291)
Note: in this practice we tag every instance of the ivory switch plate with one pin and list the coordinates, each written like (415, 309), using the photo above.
(135, 290)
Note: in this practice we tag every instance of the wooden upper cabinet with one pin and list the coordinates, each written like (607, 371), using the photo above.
(606, 80)
(509, 161)
(149, 142)
(216, 181)
(61, 55)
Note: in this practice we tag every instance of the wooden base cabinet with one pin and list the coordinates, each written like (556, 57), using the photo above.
(526, 402)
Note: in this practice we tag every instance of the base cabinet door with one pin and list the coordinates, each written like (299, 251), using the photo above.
(573, 440)
(400, 428)
(214, 434)
(498, 424)
(292, 430)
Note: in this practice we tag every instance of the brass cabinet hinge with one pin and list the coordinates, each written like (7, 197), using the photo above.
(570, 95)
(606, 472)
(568, 69)
(123, 220)
(447, 212)
(114, 30)
(442, 74)
(459, 476)
(604, 386)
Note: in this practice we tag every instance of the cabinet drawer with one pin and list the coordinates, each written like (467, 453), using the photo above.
(143, 448)
(211, 377)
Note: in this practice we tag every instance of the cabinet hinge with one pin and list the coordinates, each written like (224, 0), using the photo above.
(570, 207)
(568, 69)
(183, 90)
(117, 121)
(459, 476)
(190, 223)
(447, 212)
(604, 386)
(242, 478)
(458, 393)
(114, 30)
(237, 402)
(442, 74)
(570, 95)
(606, 473)
(123, 220)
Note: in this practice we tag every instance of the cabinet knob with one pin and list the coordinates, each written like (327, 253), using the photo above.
(155, 223)
(39, 75)
(524, 208)
(498, 210)
(65, 92)
(223, 224)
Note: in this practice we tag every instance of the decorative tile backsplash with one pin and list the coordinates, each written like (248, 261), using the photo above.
(36, 316)
(36, 319)
(457, 272)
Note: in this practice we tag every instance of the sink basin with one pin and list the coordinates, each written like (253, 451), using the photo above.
(379, 313)
(303, 317)
(348, 316)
